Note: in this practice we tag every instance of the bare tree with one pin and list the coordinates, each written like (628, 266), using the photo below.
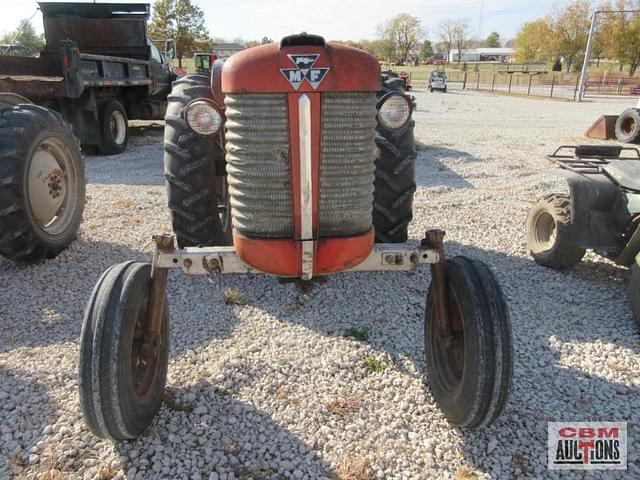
(404, 32)
(461, 38)
(446, 34)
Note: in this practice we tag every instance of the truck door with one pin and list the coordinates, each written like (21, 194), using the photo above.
(160, 72)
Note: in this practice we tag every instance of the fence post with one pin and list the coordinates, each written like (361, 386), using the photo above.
(464, 81)
(510, 80)
(553, 82)
(619, 85)
(493, 81)
(575, 92)
(477, 81)
(529, 89)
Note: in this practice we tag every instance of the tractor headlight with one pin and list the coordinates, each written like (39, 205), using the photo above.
(203, 117)
(394, 111)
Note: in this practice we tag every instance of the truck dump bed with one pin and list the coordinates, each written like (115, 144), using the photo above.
(82, 41)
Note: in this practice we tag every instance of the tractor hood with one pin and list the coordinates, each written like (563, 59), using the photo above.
(301, 63)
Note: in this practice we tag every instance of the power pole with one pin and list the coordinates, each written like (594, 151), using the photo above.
(587, 54)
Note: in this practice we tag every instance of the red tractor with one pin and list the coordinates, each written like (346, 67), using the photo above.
(294, 161)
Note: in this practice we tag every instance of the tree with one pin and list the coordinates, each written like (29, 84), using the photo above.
(404, 32)
(183, 22)
(534, 42)
(266, 40)
(25, 35)
(570, 31)
(461, 38)
(446, 33)
(426, 50)
(493, 40)
(618, 33)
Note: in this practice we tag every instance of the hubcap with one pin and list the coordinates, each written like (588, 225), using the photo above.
(545, 231)
(50, 177)
(118, 127)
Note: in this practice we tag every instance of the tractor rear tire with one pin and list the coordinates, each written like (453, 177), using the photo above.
(114, 126)
(628, 126)
(395, 177)
(42, 183)
(469, 360)
(549, 233)
(190, 172)
(121, 378)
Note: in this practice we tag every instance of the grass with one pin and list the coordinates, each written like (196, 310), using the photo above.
(374, 365)
(233, 296)
(355, 468)
(465, 473)
(361, 334)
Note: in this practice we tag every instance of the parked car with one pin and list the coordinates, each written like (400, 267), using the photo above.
(438, 81)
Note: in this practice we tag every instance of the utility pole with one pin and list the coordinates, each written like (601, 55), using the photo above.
(587, 54)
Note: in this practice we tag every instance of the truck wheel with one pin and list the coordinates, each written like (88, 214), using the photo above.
(469, 360)
(115, 129)
(549, 233)
(42, 183)
(198, 200)
(634, 290)
(395, 177)
(628, 126)
(121, 377)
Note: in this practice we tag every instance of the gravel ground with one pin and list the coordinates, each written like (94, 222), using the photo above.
(272, 388)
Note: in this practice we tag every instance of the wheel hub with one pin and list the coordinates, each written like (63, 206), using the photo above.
(545, 231)
(118, 126)
(47, 186)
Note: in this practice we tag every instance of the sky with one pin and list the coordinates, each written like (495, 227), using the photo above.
(334, 19)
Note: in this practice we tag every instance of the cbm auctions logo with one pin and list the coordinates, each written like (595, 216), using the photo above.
(587, 445)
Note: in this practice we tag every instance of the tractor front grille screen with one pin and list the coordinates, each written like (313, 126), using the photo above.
(259, 176)
(259, 172)
(347, 163)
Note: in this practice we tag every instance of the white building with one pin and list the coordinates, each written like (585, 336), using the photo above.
(225, 50)
(499, 55)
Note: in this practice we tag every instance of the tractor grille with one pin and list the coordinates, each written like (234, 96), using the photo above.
(259, 176)
(347, 163)
(258, 170)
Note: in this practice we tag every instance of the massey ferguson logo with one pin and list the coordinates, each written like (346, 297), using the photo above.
(304, 70)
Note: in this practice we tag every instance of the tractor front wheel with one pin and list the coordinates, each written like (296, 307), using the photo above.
(469, 354)
(549, 233)
(122, 371)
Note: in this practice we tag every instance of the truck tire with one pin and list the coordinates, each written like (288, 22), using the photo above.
(42, 183)
(114, 134)
(196, 203)
(395, 177)
(549, 236)
(628, 126)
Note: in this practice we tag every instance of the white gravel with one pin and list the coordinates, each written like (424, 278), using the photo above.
(272, 389)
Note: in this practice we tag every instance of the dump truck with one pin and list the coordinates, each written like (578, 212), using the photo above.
(98, 69)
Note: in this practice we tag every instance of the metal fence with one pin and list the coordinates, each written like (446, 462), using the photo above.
(551, 85)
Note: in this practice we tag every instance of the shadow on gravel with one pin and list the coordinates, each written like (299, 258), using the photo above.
(431, 172)
(25, 409)
(43, 304)
(203, 429)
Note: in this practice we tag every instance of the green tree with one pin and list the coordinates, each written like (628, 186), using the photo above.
(182, 21)
(404, 32)
(534, 43)
(493, 40)
(24, 35)
(426, 50)
(570, 31)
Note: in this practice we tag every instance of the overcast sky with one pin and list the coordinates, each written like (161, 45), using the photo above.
(335, 19)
